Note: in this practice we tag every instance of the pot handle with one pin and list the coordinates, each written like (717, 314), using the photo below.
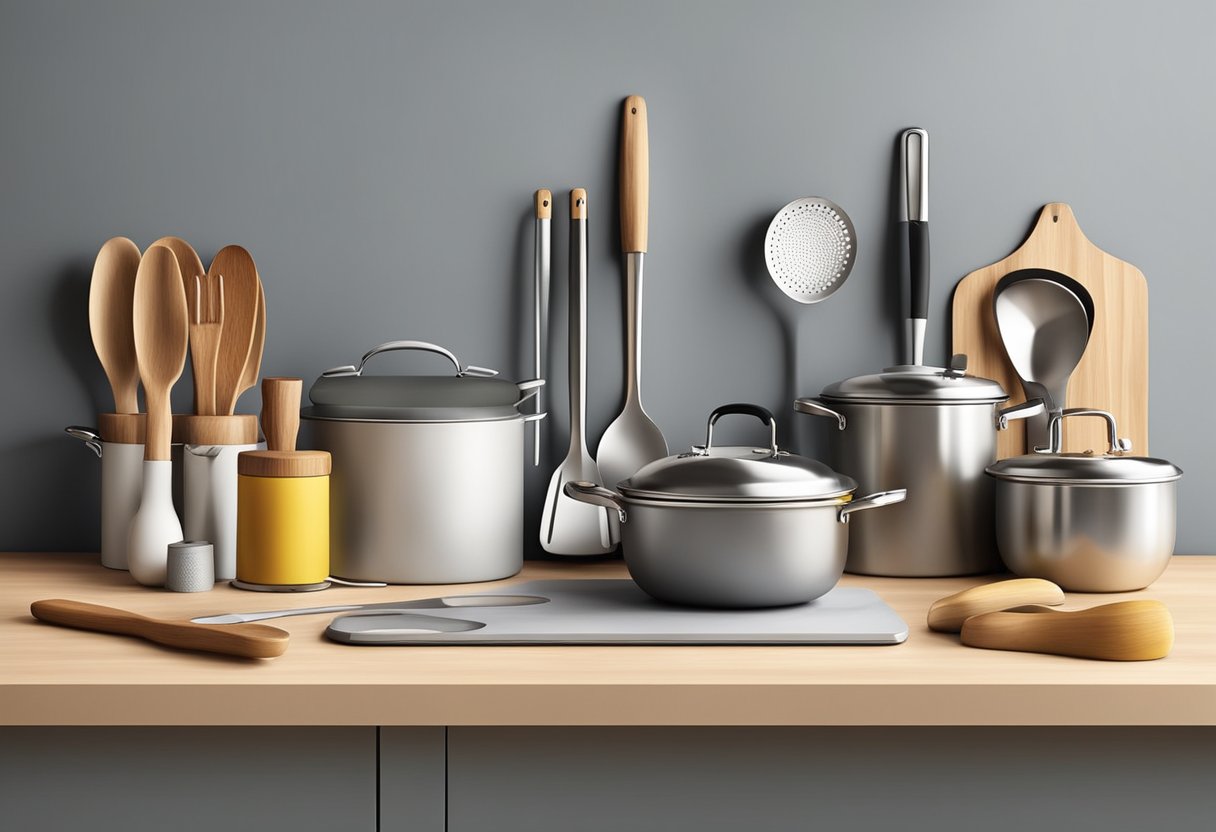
(742, 409)
(596, 495)
(528, 389)
(1028, 408)
(1117, 445)
(425, 346)
(882, 498)
(813, 407)
(534, 417)
(89, 436)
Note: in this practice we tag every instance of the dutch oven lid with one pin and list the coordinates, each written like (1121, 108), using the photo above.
(472, 394)
(915, 384)
(1115, 467)
(739, 474)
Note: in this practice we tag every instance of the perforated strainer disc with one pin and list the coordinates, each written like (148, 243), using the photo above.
(810, 248)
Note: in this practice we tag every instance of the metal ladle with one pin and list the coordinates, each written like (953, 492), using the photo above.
(1045, 319)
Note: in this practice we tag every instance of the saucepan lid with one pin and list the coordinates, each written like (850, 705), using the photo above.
(737, 474)
(471, 394)
(916, 384)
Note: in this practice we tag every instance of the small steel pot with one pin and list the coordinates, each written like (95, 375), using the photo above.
(1088, 522)
(734, 527)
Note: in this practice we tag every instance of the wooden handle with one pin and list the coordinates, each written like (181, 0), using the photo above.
(948, 614)
(1127, 631)
(635, 175)
(281, 412)
(544, 204)
(578, 204)
(251, 641)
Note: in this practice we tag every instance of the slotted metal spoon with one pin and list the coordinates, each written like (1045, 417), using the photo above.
(810, 249)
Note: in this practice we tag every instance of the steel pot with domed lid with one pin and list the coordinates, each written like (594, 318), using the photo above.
(735, 526)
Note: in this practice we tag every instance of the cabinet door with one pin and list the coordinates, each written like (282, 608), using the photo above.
(188, 779)
(755, 779)
(413, 779)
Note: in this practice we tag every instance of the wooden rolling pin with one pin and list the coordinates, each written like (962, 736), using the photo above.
(250, 641)
(1127, 631)
(948, 614)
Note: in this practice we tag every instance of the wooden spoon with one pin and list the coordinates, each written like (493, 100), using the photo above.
(111, 298)
(191, 266)
(253, 365)
(203, 296)
(161, 338)
(250, 641)
(948, 614)
(240, 321)
(1126, 631)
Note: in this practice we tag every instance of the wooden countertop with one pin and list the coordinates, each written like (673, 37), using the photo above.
(55, 676)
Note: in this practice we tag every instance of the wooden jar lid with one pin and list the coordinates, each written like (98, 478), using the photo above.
(122, 428)
(284, 464)
(241, 429)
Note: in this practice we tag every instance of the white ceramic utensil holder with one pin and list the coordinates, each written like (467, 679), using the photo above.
(154, 526)
(122, 479)
(210, 484)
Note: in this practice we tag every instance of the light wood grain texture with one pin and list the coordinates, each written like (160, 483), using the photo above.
(161, 337)
(578, 204)
(544, 204)
(1126, 631)
(1112, 375)
(240, 321)
(249, 641)
(281, 424)
(241, 429)
(948, 614)
(111, 303)
(51, 676)
(191, 266)
(635, 175)
(206, 327)
(122, 428)
(253, 364)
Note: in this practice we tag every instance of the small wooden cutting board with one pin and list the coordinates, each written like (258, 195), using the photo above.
(1113, 373)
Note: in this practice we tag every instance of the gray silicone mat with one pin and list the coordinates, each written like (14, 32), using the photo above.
(617, 612)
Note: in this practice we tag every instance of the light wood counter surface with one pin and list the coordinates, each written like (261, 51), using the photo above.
(55, 676)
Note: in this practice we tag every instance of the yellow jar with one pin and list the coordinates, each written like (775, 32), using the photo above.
(282, 535)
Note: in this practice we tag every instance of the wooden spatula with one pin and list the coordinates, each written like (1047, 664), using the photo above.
(1126, 631)
(253, 364)
(250, 641)
(240, 320)
(948, 614)
(200, 302)
(111, 299)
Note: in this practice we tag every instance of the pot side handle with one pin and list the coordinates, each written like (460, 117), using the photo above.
(1024, 410)
(882, 498)
(813, 407)
(596, 495)
(89, 436)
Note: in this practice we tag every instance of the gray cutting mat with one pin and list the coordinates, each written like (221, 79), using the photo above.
(617, 612)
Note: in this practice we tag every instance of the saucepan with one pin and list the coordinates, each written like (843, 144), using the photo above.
(735, 527)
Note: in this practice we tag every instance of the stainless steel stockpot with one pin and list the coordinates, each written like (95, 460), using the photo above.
(734, 526)
(933, 431)
(409, 452)
(1089, 522)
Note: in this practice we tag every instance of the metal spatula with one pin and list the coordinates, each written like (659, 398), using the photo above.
(810, 248)
(568, 527)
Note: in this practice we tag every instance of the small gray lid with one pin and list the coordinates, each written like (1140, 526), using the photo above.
(915, 384)
(737, 474)
(1084, 469)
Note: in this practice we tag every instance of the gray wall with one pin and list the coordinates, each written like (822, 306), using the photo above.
(378, 160)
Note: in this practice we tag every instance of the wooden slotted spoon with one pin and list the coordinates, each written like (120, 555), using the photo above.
(240, 321)
(111, 299)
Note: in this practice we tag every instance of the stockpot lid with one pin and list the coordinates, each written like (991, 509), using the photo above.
(916, 384)
(472, 394)
(737, 474)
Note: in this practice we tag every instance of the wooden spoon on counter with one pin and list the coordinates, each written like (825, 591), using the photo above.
(948, 614)
(241, 295)
(111, 300)
(250, 641)
(1126, 631)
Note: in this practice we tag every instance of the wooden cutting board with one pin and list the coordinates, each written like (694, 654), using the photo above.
(1113, 373)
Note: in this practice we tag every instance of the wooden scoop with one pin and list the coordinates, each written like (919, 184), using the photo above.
(161, 338)
(1127, 631)
(111, 298)
(250, 641)
(241, 295)
(948, 614)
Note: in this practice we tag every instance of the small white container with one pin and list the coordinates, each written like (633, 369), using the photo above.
(210, 486)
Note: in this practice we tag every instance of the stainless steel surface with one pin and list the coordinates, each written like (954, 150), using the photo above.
(90, 437)
(540, 331)
(567, 526)
(731, 554)
(737, 474)
(442, 602)
(424, 346)
(1045, 327)
(425, 503)
(911, 384)
(810, 248)
(633, 439)
(883, 498)
(914, 208)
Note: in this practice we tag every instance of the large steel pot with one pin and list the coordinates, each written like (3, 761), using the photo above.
(408, 451)
(1089, 522)
(734, 526)
(933, 431)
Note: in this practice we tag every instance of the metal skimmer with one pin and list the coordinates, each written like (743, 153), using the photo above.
(810, 248)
